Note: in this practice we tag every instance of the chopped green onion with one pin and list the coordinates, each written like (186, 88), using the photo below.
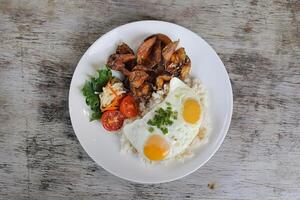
(151, 129)
(163, 118)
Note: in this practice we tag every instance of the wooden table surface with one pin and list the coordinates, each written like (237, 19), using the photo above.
(41, 43)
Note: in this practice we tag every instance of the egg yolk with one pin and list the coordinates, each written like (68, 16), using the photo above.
(191, 111)
(156, 148)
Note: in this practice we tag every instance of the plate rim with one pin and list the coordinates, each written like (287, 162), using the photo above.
(226, 128)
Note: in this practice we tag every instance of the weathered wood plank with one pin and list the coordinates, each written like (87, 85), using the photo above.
(41, 43)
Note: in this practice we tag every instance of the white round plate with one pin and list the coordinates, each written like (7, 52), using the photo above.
(104, 147)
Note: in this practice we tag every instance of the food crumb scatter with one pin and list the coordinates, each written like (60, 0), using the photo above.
(211, 186)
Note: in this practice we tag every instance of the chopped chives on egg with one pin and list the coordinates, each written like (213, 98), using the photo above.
(163, 118)
(151, 129)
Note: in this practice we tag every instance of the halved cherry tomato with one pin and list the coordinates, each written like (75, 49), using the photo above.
(128, 107)
(112, 120)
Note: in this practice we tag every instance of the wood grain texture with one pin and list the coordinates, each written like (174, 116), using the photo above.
(41, 43)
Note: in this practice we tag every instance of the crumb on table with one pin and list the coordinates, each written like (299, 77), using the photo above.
(211, 186)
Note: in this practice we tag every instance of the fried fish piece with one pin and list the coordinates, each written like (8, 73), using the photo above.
(168, 51)
(143, 92)
(160, 80)
(117, 61)
(137, 78)
(123, 48)
(156, 52)
(145, 49)
(142, 68)
(176, 62)
(164, 39)
(186, 68)
(178, 56)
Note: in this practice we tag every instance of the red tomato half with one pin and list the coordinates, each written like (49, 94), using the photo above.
(112, 120)
(128, 107)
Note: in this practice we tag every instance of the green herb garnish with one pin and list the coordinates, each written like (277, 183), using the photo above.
(151, 129)
(91, 89)
(163, 118)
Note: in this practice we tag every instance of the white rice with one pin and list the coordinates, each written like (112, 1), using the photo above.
(158, 97)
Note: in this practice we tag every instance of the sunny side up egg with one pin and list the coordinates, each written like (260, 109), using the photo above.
(156, 144)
